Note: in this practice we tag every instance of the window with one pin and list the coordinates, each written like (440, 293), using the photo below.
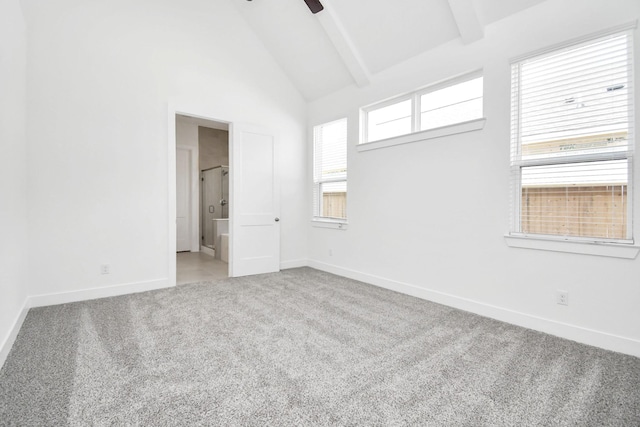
(453, 102)
(330, 170)
(572, 141)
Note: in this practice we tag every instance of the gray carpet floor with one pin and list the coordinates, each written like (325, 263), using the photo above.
(302, 347)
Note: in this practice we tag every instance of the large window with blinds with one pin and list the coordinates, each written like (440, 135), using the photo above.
(572, 141)
(330, 170)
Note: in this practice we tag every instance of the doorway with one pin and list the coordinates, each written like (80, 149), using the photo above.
(254, 196)
(202, 200)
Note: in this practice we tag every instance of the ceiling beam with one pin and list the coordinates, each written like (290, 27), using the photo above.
(343, 44)
(469, 26)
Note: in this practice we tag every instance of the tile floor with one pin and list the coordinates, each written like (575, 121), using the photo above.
(197, 267)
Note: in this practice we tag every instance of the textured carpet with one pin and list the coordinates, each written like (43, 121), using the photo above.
(302, 347)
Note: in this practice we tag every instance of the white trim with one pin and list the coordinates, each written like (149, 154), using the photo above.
(470, 126)
(296, 263)
(608, 249)
(7, 344)
(564, 330)
(329, 223)
(99, 292)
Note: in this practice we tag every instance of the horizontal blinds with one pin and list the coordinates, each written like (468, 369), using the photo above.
(330, 169)
(574, 102)
(572, 141)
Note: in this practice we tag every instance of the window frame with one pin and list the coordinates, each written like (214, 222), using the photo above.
(416, 113)
(317, 218)
(516, 166)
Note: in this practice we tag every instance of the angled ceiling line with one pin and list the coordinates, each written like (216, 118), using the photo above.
(466, 17)
(343, 44)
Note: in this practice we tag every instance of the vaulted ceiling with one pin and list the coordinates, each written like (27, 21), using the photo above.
(351, 40)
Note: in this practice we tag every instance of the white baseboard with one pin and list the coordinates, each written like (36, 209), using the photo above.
(6, 345)
(94, 293)
(296, 263)
(572, 332)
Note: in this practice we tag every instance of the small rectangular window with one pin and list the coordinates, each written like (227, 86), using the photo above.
(572, 141)
(454, 104)
(330, 170)
(392, 120)
(449, 103)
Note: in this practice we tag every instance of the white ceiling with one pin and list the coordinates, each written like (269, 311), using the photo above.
(353, 39)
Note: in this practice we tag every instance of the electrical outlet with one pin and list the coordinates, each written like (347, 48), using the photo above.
(330, 252)
(105, 269)
(562, 297)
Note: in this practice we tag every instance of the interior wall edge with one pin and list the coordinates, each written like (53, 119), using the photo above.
(6, 345)
(563, 330)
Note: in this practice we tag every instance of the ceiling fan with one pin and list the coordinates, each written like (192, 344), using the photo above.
(314, 5)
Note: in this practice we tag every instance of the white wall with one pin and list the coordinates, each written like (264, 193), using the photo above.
(13, 171)
(443, 239)
(101, 75)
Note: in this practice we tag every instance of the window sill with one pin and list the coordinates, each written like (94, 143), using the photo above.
(329, 223)
(615, 250)
(470, 126)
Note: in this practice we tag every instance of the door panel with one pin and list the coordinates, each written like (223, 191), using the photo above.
(255, 234)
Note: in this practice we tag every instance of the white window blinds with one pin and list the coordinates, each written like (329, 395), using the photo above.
(330, 170)
(572, 141)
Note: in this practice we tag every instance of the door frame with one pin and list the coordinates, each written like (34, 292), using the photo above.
(198, 112)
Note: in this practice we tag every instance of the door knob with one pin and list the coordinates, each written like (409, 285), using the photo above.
(277, 219)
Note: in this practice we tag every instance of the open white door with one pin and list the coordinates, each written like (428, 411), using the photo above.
(255, 203)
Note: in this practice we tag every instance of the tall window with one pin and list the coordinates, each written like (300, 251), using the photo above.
(572, 141)
(330, 170)
(454, 101)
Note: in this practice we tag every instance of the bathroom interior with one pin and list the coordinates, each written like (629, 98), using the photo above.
(210, 140)
(214, 213)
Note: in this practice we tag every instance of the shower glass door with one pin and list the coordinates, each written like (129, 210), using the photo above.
(215, 196)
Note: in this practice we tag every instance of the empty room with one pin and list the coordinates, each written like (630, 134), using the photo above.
(303, 212)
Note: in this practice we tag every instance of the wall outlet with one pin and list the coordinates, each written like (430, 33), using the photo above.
(562, 297)
(330, 252)
(105, 269)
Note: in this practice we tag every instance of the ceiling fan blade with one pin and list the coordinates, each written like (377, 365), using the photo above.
(314, 5)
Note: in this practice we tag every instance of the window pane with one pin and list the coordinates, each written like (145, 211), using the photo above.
(579, 199)
(576, 101)
(571, 148)
(454, 104)
(330, 169)
(330, 150)
(390, 121)
(334, 199)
